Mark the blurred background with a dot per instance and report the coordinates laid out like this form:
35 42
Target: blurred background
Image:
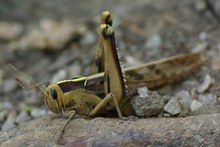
56 40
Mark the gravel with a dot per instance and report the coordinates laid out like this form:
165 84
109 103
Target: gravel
22 117
10 31
173 107
206 84
3 115
10 122
35 113
195 105
9 85
207 99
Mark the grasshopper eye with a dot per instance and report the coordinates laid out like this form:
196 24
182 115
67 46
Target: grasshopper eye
53 93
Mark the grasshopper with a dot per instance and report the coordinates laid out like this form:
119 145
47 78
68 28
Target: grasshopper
111 87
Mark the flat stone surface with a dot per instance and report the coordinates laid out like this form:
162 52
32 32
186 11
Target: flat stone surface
189 131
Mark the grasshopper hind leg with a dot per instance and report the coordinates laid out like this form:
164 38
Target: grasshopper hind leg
104 102
99 61
114 85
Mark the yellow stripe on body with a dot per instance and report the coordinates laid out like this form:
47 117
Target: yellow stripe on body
73 80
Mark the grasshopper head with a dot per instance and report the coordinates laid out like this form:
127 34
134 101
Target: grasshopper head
54 98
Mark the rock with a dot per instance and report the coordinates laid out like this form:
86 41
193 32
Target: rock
89 38
215 62
34 97
45 131
214 5
185 100
57 33
50 35
207 99
200 6
206 84
1 75
60 75
74 70
3 115
6 105
143 92
200 47
9 85
38 113
67 73
195 105
64 59
149 103
203 36
173 107
131 61
10 122
154 41
9 30
22 117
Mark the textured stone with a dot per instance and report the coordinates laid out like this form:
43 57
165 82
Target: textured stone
148 103
45 131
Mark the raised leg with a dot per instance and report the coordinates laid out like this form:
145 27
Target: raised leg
114 78
98 65
114 81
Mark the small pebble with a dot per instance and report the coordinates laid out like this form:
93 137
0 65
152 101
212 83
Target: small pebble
50 113
3 115
9 85
184 98
9 31
52 30
215 62
200 5
74 70
143 92
1 75
38 113
207 99
200 47
49 34
6 105
203 36
154 41
22 117
131 61
173 107
10 122
88 38
60 75
195 105
208 81
33 98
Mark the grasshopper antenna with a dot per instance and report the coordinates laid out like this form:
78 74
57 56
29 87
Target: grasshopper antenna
27 77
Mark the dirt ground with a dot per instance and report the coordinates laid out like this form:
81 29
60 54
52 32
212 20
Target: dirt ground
54 40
